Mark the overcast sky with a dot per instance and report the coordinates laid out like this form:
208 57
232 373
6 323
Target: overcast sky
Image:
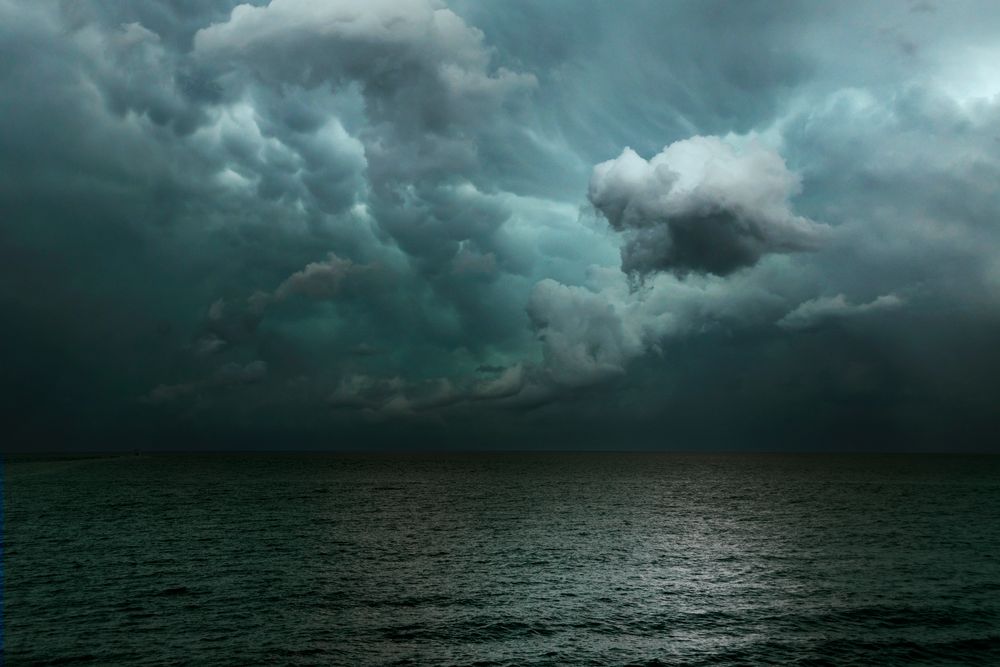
565 224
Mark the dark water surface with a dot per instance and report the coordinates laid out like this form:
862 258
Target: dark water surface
519 559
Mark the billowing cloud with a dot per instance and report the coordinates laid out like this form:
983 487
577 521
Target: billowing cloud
388 397
323 280
418 64
328 280
592 333
825 308
584 334
302 218
701 205
430 96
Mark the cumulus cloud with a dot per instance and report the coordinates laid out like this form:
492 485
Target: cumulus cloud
365 121
416 61
432 103
825 308
585 338
591 333
429 92
702 205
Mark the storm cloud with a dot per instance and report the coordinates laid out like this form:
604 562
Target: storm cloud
701 205
445 223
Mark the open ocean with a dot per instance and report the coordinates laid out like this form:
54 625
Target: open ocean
502 559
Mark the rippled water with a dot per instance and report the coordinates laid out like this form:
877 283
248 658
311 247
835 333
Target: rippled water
547 559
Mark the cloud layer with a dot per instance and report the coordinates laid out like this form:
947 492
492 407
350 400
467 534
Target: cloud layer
430 223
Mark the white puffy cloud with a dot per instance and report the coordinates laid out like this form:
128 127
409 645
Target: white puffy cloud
702 205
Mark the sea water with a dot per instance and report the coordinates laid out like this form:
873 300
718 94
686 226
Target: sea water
502 559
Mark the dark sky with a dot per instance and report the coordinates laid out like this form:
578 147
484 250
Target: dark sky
413 224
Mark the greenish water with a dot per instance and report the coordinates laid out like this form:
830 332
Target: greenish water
506 559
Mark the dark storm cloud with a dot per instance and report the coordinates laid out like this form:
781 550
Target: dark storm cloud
701 205
419 65
421 220
427 85
227 376
330 280
428 94
324 280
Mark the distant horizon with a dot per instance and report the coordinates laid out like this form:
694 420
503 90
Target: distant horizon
117 453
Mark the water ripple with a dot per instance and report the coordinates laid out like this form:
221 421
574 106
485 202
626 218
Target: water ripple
503 560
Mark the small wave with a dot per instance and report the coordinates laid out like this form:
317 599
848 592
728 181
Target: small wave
300 652
468 632
70 659
905 616
848 652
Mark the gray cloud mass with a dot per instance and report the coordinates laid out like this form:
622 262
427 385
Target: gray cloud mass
701 205
450 224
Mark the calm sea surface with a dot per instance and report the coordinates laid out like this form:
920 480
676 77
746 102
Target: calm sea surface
506 559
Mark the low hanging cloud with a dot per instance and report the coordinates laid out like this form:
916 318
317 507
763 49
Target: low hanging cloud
815 312
322 281
228 376
586 336
591 334
514 386
702 205
327 280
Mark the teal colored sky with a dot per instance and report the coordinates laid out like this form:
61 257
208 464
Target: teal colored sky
418 224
